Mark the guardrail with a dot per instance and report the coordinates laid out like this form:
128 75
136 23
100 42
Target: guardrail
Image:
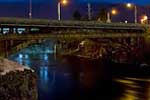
22 21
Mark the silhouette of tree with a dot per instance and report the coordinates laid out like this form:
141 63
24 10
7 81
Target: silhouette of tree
76 15
102 15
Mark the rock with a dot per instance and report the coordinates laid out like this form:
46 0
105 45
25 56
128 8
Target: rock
17 82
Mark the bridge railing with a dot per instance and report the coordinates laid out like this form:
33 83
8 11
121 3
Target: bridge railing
22 21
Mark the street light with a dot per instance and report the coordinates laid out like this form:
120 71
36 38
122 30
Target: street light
89 11
129 5
144 19
30 9
62 2
112 12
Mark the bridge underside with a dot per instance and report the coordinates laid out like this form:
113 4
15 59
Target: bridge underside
26 30
13 42
58 36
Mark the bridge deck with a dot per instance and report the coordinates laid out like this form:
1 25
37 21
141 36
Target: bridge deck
76 24
66 36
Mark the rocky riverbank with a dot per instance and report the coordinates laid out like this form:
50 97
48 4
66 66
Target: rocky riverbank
17 82
87 49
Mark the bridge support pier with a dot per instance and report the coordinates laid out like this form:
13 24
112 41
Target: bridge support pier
1 31
15 30
11 43
55 50
27 30
6 48
11 30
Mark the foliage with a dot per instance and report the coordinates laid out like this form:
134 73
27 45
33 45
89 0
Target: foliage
76 15
102 15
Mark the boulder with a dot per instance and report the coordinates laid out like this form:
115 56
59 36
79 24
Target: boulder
17 82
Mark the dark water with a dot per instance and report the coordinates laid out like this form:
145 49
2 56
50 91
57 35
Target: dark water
70 78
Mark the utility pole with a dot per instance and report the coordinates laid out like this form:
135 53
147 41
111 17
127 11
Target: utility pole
30 9
89 11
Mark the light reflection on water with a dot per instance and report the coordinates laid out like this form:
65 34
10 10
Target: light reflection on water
51 81
60 81
44 73
134 88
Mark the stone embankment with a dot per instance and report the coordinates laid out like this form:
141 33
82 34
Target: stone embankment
17 82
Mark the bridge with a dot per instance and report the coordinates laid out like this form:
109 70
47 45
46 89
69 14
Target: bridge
22 30
11 28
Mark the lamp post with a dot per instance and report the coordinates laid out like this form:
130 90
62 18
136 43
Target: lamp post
30 9
108 17
63 2
113 12
129 5
59 8
89 11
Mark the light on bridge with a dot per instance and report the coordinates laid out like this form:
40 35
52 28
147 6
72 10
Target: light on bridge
130 5
144 19
61 2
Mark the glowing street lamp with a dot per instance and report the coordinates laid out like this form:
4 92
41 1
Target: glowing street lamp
62 2
113 12
129 5
144 19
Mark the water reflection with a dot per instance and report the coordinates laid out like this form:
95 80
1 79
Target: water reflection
20 56
134 88
70 78
44 73
26 56
45 57
43 78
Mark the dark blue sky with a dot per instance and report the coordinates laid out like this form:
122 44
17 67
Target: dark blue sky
48 8
120 1
109 1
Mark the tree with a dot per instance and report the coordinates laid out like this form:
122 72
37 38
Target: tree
76 15
102 15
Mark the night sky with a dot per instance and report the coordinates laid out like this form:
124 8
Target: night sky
48 8
109 1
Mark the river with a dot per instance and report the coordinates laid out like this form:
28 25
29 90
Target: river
70 78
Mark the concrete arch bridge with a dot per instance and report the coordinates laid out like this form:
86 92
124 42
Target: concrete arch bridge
17 31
